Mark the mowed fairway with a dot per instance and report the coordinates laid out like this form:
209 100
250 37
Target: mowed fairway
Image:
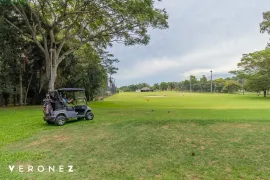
144 136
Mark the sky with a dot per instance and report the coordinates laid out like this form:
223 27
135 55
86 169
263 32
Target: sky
202 36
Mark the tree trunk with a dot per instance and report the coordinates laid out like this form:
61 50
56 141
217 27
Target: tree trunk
51 82
1 100
21 88
6 98
14 97
264 93
41 80
28 88
90 96
53 70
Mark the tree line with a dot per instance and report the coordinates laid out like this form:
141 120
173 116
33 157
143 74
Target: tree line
48 44
227 85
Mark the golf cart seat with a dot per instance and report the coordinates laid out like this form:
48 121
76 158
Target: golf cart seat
57 105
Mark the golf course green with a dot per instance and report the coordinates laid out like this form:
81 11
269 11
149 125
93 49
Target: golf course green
156 135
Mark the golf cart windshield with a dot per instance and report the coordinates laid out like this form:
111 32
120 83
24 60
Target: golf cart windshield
80 97
76 96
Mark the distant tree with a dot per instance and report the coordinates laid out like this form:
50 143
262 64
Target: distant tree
156 86
196 87
193 81
171 86
241 78
124 88
203 83
163 86
142 85
185 85
219 84
203 79
231 86
133 88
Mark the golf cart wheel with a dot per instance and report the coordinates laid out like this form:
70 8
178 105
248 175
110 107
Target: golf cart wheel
60 120
89 115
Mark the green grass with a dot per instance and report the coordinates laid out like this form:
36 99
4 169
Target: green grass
134 136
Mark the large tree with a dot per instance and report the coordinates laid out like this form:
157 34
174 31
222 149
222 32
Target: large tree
54 23
255 67
265 24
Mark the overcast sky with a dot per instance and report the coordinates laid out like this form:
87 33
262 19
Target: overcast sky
203 35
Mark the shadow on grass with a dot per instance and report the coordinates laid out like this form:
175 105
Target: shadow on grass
69 122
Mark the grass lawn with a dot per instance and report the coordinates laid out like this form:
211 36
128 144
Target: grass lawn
144 136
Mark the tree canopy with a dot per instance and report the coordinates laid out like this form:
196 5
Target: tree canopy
255 68
65 42
52 24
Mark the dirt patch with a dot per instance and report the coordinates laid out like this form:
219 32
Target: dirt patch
165 127
188 140
158 176
236 140
243 126
61 138
224 128
39 142
212 163
228 169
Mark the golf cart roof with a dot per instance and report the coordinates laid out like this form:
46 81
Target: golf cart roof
71 89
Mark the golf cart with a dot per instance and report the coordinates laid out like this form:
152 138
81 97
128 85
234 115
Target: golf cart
58 109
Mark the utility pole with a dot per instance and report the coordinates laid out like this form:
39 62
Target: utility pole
190 84
211 81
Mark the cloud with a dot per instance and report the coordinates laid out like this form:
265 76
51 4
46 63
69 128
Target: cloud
221 58
149 67
203 35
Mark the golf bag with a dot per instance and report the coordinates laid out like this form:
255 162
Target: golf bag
47 108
